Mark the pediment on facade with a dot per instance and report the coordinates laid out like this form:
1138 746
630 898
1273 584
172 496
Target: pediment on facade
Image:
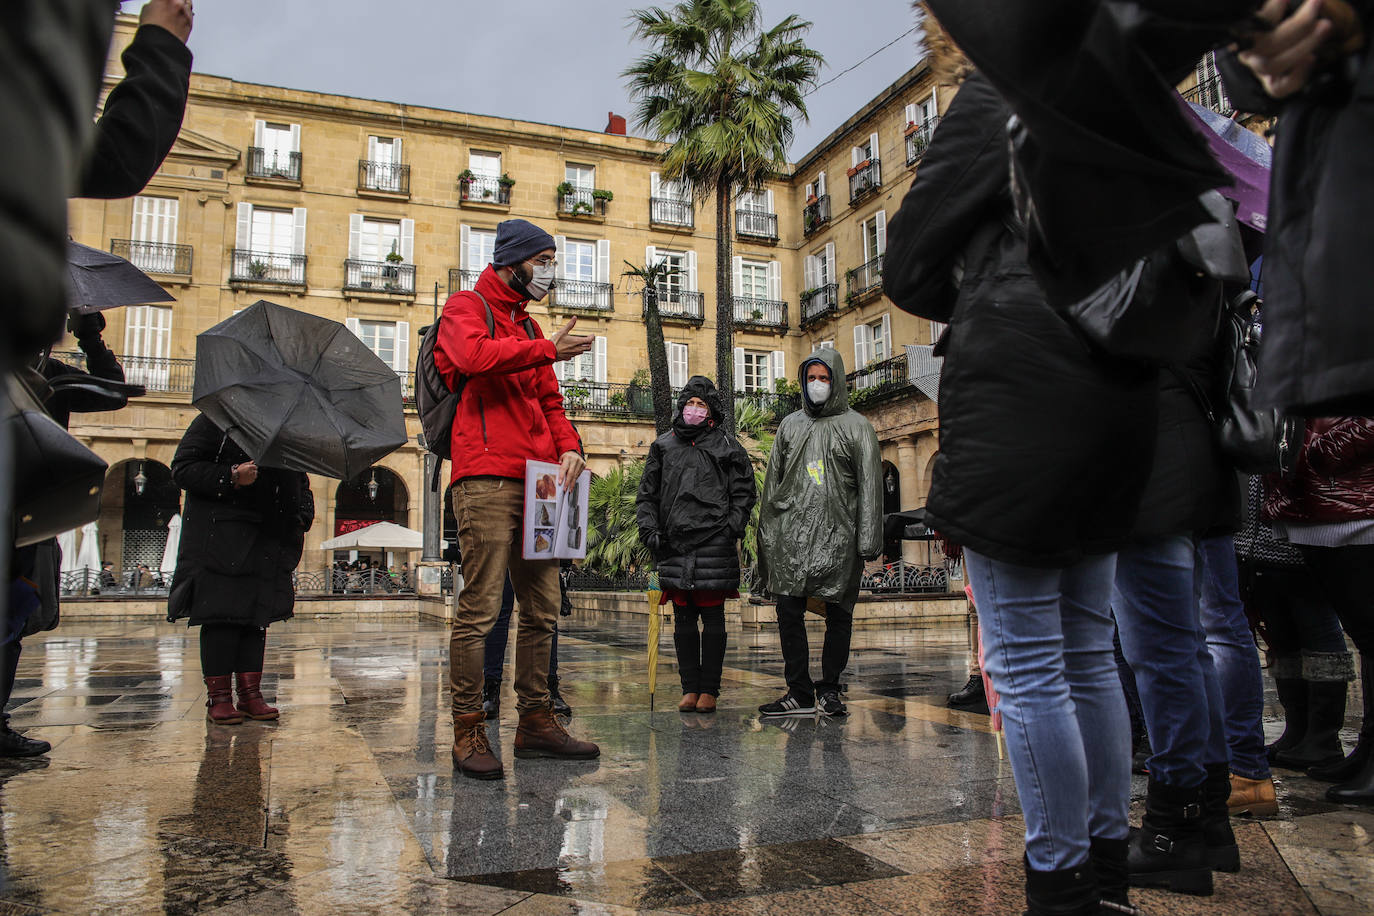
191 146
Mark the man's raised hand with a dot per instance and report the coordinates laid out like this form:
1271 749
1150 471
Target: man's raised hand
568 344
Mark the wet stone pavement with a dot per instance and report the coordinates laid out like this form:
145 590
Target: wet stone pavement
349 803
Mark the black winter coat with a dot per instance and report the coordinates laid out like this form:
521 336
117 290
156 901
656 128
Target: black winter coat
239 545
695 498
1045 445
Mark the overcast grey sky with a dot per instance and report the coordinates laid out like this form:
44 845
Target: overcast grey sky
546 61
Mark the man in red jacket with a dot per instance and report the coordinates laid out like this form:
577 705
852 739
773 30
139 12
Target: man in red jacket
511 411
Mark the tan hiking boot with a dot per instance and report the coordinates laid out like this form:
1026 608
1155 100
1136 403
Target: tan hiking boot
472 753
540 734
1252 796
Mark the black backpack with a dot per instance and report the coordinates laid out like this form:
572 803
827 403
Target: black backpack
436 403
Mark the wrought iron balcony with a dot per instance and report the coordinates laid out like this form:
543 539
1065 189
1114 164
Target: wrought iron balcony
483 189
247 266
582 294
865 179
918 139
1211 94
156 373
775 406
380 276
459 280
865 281
154 257
583 202
819 303
607 399
816 214
753 312
274 164
670 211
390 177
757 224
681 305
888 375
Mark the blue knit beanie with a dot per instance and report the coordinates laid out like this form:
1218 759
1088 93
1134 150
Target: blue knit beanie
518 240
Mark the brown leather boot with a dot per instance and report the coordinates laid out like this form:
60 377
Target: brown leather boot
221 701
540 734
471 750
1252 796
251 703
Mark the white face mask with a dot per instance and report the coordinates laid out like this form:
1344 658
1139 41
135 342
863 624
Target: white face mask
540 281
818 392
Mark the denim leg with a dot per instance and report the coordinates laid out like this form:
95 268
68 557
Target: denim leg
494 659
1234 657
1128 687
1047 646
1156 611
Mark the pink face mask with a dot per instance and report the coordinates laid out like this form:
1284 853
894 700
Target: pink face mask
694 416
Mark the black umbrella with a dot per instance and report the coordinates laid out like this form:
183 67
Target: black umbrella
101 280
1110 161
299 392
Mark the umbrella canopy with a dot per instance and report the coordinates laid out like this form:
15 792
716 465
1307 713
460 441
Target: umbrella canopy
101 280
169 553
1246 158
381 536
299 392
88 555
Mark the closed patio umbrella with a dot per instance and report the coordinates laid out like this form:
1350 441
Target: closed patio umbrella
169 552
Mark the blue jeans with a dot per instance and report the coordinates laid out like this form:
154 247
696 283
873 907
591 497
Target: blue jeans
1158 585
494 659
1234 657
1047 646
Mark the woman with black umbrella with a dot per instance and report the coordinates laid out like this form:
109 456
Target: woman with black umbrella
243 530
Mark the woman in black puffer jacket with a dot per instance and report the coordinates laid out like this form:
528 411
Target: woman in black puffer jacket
694 502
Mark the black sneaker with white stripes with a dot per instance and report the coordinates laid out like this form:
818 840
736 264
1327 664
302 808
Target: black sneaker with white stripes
788 705
830 704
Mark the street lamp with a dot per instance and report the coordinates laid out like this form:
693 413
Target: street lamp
372 486
140 480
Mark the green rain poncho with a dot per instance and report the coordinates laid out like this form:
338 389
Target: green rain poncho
821 513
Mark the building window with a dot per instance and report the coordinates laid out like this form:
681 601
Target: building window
753 279
581 177
384 170
872 343
588 367
479 249
484 164
273 231
674 278
873 233
154 235
147 345
276 151
677 364
378 238
390 340
757 372
579 260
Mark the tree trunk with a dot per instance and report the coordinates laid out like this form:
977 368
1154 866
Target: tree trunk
725 306
658 362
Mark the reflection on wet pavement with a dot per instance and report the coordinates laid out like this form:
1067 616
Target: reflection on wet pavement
349 804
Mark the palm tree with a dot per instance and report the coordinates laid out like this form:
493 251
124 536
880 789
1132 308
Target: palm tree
649 275
723 92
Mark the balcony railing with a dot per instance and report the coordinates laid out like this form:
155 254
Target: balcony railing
247 266
582 202
753 312
865 180
681 305
818 303
582 294
156 373
816 214
459 279
670 211
1210 93
918 140
483 189
889 375
775 406
273 164
391 177
154 257
865 281
380 276
757 224
607 399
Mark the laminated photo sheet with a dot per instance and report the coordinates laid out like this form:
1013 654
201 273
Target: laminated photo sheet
555 520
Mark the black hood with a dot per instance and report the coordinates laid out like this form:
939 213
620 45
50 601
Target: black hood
698 386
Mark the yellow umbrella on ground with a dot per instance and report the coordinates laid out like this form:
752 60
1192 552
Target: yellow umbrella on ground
655 621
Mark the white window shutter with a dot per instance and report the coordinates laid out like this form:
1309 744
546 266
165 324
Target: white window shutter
854 154
820 184
295 138
739 368
650 256
810 190
887 335
408 241
298 230
692 271
402 346
560 369
873 146
259 130
934 103
603 260
355 234
653 184
560 244
775 280
779 369
768 199
677 364
243 234
599 369
371 149
809 272
464 240
737 272
863 340
355 326
911 114
830 262
880 225
396 151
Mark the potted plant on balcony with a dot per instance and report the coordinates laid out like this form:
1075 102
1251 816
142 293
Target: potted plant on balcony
390 271
506 181
641 393
601 197
464 183
257 269
911 128
617 400
859 168
756 314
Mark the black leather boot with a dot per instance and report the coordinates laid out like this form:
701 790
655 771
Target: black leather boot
1168 850
1358 791
1292 693
1325 716
1108 858
560 705
970 697
1217 836
1347 769
491 698
1063 892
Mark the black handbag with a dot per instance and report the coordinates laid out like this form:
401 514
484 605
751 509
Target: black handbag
57 480
1258 441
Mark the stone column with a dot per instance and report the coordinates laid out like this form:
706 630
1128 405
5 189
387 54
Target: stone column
907 467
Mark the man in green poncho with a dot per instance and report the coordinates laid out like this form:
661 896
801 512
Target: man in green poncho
820 517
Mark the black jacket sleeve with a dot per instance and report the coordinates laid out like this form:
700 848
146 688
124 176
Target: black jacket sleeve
142 116
962 174
195 467
743 492
646 501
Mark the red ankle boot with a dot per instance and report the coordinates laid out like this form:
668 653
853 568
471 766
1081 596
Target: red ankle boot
251 703
221 701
